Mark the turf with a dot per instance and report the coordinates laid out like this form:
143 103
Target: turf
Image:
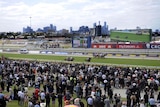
112 61
130 37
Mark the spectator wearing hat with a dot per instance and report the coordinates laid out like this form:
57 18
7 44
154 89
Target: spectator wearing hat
142 103
77 102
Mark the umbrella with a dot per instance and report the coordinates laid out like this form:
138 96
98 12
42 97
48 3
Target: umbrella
71 105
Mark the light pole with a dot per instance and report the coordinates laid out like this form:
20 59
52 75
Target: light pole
30 21
30 26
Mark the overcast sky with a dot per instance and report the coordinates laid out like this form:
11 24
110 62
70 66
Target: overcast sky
15 14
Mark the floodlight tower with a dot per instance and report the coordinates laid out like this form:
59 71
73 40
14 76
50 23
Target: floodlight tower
30 20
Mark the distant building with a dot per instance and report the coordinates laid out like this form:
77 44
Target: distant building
39 30
50 28
98 30
105 29
94 25
63 31
101 30
71 31
83 30
27 30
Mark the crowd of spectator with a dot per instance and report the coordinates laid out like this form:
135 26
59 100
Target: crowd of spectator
71 83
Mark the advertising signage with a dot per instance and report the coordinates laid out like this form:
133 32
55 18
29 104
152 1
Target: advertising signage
109 46
153 46
119 46
127 46
130 46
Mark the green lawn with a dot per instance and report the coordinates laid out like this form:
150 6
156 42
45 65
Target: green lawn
130 37
109 61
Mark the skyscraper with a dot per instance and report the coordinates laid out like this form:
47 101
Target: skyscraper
101 30
105 29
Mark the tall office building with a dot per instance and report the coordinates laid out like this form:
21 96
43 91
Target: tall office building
71 30
94 25
98 30
101 30
105 29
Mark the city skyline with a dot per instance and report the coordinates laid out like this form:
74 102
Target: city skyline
126 14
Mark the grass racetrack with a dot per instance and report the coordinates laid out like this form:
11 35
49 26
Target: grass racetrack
77 59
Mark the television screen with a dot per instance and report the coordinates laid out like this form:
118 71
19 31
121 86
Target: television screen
131 35
81 42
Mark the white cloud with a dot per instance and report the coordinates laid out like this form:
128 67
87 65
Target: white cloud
67 13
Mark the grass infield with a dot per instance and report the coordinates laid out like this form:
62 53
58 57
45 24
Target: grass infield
77 59
131 37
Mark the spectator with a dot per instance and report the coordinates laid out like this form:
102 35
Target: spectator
152 101
37 104
53 97
142 103
26 99
146 97
30 103
81 103
60 97
90 101
42 96
2 99
158 97
47 100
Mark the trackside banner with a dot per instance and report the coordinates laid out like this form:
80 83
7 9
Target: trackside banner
130 46
152 45
119 46
127 46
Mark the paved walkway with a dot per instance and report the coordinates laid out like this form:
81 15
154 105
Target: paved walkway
122 92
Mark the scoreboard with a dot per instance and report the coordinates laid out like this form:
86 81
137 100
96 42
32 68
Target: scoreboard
81 42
